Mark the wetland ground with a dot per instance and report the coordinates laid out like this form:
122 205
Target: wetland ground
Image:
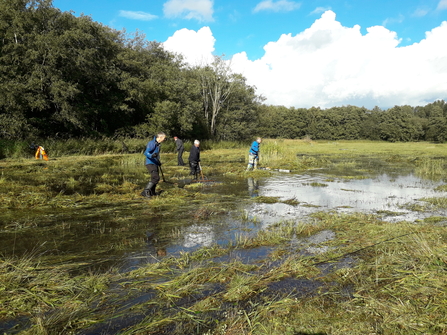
351 241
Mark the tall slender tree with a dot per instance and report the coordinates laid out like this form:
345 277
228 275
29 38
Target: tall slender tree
217 84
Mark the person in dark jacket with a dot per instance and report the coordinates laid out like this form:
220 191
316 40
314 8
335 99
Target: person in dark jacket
194 159
253 154
152 154
179 147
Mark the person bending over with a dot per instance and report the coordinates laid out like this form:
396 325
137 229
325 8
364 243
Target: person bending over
253 154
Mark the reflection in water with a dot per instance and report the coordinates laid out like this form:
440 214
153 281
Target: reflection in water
311 245
253 187
313 192
198 236
383 193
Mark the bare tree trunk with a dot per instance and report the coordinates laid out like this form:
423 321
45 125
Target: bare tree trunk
217 85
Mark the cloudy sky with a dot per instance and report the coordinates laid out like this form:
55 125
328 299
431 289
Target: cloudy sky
301 53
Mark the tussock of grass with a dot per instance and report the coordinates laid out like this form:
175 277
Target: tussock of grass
437 202
266 199
432 168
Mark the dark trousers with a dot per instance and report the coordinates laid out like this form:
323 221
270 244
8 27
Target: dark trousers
180 158
153 170
194 166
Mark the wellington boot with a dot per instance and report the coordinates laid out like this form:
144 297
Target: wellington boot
147 192
153 190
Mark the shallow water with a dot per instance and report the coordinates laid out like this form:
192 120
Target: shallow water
131 235
135 235
315 192
384 194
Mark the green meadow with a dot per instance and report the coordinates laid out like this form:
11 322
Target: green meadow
68 224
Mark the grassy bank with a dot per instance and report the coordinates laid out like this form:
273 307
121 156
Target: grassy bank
67 223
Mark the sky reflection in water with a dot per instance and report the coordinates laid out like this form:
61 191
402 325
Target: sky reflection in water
314 192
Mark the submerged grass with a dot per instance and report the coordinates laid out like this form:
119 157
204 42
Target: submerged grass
82 213
395 285
55 300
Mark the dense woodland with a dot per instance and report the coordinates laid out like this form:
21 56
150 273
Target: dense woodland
63 76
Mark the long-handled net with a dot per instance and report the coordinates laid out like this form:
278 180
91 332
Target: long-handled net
201 178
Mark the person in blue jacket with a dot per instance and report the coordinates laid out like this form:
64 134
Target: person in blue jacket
152 154
253 154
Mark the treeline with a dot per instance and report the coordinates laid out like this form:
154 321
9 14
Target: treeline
65 77
399 123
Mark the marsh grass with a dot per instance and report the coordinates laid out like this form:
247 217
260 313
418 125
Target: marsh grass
433 168
100 146
441 188
373 277
436 219
316 184
396 284
437 202
266 199
427 204
52 295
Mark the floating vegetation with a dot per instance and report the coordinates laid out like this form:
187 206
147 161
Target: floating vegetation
436 202
266 199
387 213
348 190
316 184
292 202
441 188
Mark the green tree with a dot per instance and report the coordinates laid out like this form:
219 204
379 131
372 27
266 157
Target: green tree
238 119
58 72
436 125
369 128
217 84
400 124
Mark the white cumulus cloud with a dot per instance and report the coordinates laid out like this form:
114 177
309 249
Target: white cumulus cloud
196 47
137 15
201 10
330 65
276 6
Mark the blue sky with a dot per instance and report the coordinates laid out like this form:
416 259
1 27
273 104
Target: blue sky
337 47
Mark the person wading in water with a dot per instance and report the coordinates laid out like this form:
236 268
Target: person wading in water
194 159
152 154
